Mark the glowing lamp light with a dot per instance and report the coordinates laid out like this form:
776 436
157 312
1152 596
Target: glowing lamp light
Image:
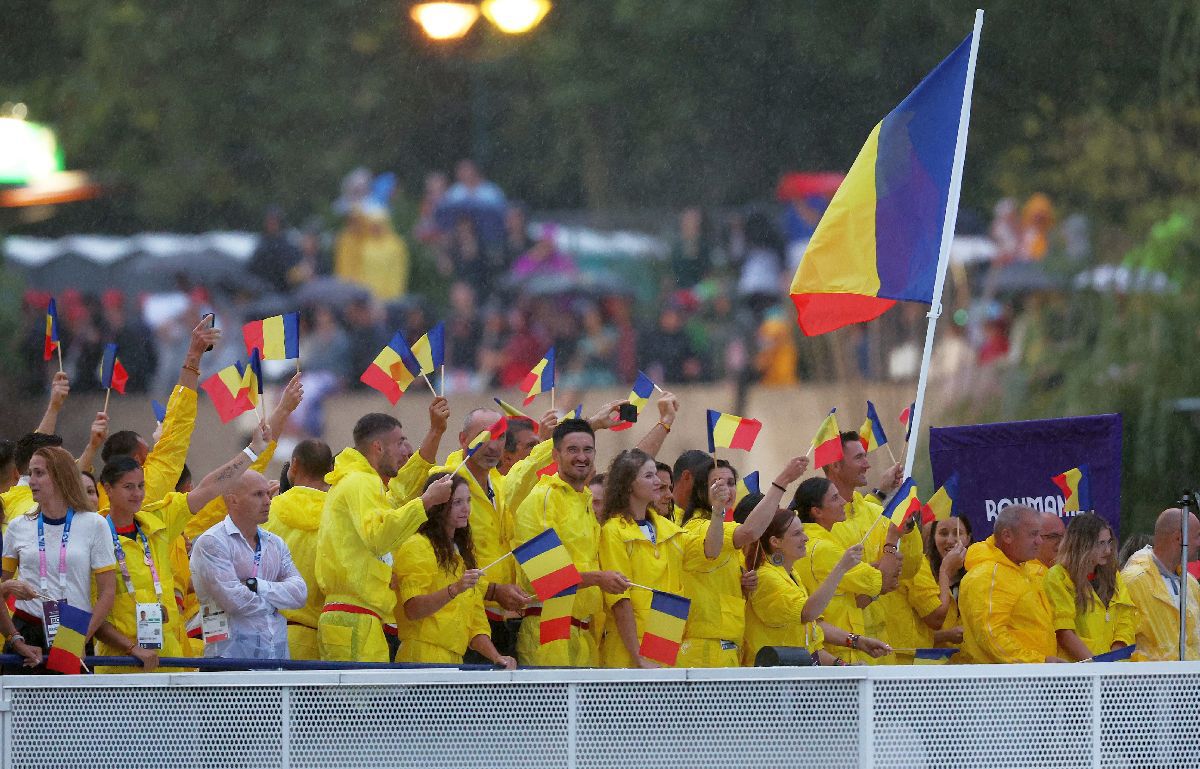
445 20
28 151
515 17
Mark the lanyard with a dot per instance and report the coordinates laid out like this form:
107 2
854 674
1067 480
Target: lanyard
119 552
62 553
257 551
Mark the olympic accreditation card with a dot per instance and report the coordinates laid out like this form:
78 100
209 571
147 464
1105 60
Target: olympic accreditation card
149 625
214 623
50 619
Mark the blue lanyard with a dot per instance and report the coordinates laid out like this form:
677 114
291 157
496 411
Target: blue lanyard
62 553
119 552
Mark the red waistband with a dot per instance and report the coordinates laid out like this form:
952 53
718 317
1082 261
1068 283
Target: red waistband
391 630
536 611
25 616
350 608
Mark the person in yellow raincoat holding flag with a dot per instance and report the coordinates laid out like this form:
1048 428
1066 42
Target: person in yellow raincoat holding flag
1153 575
1006 615
295 518
440 608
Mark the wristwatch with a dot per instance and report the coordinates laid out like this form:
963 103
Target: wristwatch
252 583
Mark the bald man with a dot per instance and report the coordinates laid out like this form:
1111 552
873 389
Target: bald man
1155 582
1053 532
243 576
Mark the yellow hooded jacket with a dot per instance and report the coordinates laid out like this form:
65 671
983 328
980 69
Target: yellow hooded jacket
822 553
296 517
774 611
1158 610
451 627
1005 613
1100 626
714 586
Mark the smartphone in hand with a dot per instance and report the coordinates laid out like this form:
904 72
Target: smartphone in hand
212 323
628 412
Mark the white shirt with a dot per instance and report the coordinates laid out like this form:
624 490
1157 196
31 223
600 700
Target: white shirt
89 550
221 560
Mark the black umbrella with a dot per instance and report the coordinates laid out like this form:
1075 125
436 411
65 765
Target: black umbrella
328 290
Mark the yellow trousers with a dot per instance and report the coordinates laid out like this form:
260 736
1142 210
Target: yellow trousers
348 637
302 643
419 651
707 653
578 651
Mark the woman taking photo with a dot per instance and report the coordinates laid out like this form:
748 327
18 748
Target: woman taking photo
781 612
61 549
144 620
946 544
641 544
1093 612
712 563
439 612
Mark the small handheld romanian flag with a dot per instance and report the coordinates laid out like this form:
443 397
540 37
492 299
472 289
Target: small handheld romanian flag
1076 486
933 656
493 433
747 484
227 394
664 627
904 504
639 396
827 443
540 379
275 338
941 505
430 349
871 433
726 431
252 379
547 564
51 343
906 420
66 654
556 616
112 373
512 411
393 369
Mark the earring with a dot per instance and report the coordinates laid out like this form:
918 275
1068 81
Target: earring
777 559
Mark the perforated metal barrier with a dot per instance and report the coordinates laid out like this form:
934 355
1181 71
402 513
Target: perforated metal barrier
1110 715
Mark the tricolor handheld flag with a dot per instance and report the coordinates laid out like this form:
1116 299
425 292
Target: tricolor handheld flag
556 616
747 484
941 505
663 633
512 411
871 433
933 656
639 396
160 411
430 349
880 238
906 421
727 431
393 369
493 433
252 379
827 443
275 338
1116 655
51 343
540 379
1076 487
904 504
228 395
66 653
112 373
547 564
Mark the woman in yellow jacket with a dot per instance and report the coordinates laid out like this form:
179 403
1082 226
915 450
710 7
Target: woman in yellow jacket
781 612
641 544
1093 612
142 538
439 612
712 563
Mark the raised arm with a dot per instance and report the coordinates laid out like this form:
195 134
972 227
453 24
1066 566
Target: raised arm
60 388
668 409
96 439
222 480
760 517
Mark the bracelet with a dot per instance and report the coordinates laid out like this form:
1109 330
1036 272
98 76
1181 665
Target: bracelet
851 641
781 488
664 425
893 550
192 369
17 638
250 453
129 651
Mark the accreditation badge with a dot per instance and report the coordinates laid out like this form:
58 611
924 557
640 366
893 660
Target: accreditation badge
149 625
214 624
51 611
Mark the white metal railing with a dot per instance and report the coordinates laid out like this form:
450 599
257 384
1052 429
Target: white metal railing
1103 715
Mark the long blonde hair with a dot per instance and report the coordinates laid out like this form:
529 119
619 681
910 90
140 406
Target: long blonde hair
1082 535
64 474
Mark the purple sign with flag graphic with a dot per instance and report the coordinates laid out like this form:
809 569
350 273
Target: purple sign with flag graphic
1010 463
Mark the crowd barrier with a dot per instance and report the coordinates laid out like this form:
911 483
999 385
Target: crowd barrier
1029 716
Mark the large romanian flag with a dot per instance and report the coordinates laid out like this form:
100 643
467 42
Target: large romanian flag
275 338
879 240
547 564
393 369
726 431
66 653
663 633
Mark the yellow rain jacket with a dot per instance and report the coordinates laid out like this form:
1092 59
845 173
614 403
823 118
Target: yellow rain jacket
554 504
161 522
295 517
17 502
922 596
165 461
658 565
774 611
356 537
1006 615
716 624
1100 626
822 553
1158 610
409 482
444 635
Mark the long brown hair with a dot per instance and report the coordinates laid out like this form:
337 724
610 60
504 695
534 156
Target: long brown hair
697 504
64 474
1082 535
618 487
434 529
757 552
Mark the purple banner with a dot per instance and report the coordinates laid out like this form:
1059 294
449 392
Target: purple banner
1012 462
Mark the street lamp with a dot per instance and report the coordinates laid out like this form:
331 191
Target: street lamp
453 19
515 17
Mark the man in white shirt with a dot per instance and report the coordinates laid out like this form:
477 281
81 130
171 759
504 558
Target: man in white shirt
243 576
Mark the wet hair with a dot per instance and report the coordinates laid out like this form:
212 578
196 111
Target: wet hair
28 445
1083 533
122 442
64 474
757 552
697 503
568 426
742 510
116 467
810 494
931 551
371 426
1133 544
517 427
434 529
312 458
690 460
618 486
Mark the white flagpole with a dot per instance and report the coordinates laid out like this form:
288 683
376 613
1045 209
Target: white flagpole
935 309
